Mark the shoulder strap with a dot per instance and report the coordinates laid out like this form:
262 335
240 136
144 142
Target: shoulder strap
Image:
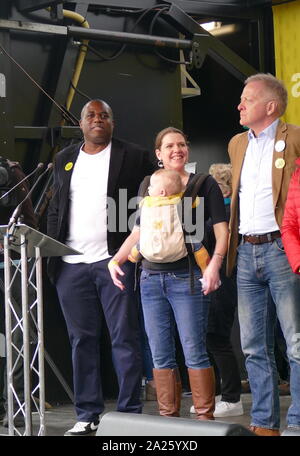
192 190
194 185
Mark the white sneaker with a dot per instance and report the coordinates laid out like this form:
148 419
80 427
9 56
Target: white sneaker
83 428
217 399
224 409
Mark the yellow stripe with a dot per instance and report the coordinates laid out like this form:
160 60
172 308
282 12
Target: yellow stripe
287 55
154 201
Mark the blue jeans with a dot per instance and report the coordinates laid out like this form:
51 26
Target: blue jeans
166 300
263 272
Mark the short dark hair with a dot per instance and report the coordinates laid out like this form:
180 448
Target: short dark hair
98 100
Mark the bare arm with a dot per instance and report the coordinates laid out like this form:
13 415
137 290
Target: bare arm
211 273
121 256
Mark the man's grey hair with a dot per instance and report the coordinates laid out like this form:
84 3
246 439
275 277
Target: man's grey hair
275 86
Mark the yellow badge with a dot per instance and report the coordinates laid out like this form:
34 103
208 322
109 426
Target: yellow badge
69 166
279 163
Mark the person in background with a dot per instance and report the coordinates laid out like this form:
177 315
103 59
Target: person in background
167 298
263 160
221 317
290 231
149 383
14 174
93 184
290 228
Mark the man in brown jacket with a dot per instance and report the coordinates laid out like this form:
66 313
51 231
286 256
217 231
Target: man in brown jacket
262 163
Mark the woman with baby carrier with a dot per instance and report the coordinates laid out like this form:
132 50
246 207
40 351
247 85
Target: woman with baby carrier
168 298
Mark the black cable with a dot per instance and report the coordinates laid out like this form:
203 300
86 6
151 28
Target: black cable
80 93
104 57
122 48
154 19
129 11
66 114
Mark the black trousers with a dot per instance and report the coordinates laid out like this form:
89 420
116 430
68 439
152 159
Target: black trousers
228 380
87 295
220 321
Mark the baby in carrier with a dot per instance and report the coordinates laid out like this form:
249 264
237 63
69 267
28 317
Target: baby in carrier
162 239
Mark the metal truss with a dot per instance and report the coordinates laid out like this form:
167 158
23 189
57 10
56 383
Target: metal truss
24 341
24 325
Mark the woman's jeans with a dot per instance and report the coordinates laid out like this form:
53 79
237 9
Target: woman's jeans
263 272
166 300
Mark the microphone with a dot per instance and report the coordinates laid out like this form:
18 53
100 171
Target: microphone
39 166
16 212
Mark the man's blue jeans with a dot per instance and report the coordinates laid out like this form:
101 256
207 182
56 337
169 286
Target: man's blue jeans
166 300
263 272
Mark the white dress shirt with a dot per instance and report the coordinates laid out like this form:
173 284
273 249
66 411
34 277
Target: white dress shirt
255 191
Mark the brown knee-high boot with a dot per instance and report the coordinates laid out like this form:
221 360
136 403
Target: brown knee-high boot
202 382
168 389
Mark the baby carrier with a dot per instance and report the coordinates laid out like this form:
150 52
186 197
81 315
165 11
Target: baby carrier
163 237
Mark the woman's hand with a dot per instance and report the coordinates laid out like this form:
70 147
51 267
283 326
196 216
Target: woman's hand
115 271
211 274
122 256
211 278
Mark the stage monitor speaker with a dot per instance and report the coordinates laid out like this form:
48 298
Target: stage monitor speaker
291 432
133 424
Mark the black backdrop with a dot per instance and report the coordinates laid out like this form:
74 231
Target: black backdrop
144 92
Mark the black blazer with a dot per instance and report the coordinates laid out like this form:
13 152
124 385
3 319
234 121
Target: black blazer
129 164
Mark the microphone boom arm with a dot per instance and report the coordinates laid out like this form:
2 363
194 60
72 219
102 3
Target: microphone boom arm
16 212
39 166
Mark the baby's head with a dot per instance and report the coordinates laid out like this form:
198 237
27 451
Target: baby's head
165 182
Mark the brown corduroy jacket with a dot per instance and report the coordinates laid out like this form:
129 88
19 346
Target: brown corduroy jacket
290 134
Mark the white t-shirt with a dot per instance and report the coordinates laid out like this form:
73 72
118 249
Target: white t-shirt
87 212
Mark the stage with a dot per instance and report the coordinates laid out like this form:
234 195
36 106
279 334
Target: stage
61 417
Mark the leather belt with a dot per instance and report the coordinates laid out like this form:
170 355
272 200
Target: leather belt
262 238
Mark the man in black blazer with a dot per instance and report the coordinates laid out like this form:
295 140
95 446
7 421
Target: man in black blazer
93 184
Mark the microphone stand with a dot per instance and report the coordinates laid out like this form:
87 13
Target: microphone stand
14 217
39 166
